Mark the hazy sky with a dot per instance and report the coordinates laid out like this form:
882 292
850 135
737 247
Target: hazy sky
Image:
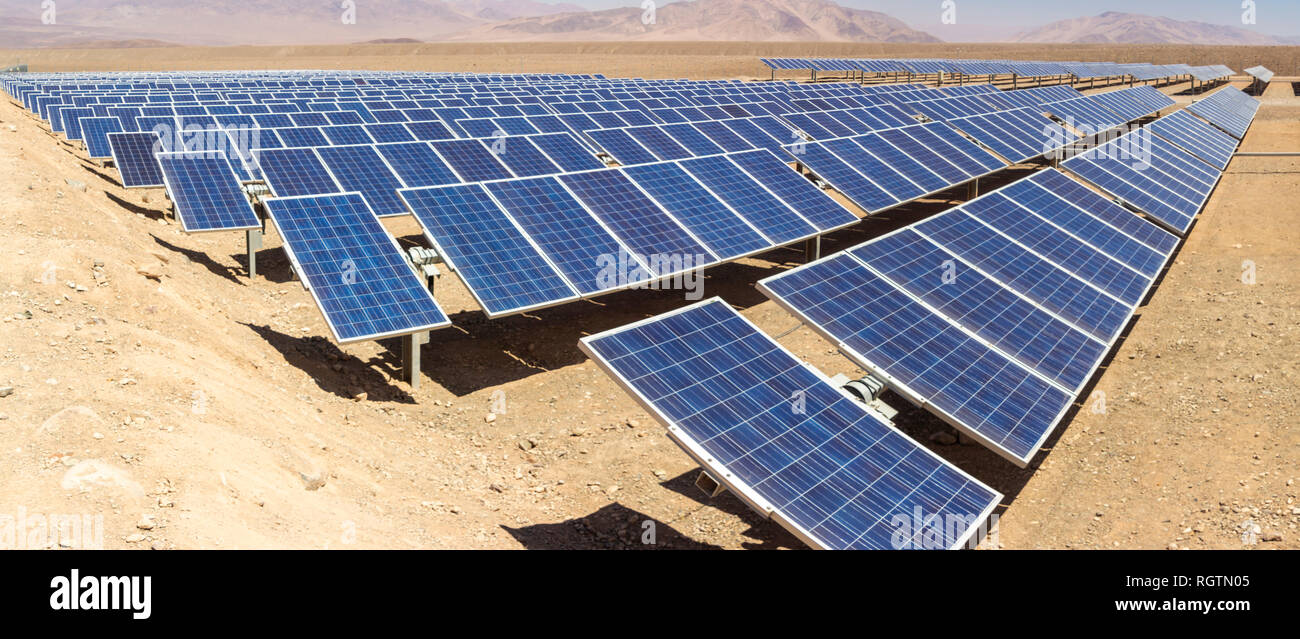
984 19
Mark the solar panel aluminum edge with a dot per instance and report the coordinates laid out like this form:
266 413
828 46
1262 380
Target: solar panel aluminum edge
742 490
431 317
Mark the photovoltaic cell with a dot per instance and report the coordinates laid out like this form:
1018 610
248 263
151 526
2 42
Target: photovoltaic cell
471 160
417 164
794 189
700 211
568 234
295 172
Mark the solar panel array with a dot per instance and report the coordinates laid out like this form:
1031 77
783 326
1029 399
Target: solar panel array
1261 73
1229 109
1029 69
524 244
1147 172
993 315
825 468
881 170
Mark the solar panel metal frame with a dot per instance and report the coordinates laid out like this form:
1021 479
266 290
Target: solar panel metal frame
719 472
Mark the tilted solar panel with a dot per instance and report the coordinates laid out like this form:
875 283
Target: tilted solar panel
500 266
295 172
693 206
133 155
205 193
354 269
361 169
784 440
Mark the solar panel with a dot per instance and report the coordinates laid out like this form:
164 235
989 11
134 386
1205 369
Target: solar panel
133 155
784 440
693 206
205 193
690 137
855 186
796 191
471 160
302 136
1192 134
295 172
621 146
659 143
748 197
652 234
1131 181
723 137
354 269
361 169
566 152
523 159
582 248
95 133
416 164
500 266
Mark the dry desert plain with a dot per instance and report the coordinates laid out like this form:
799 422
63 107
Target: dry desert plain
156 385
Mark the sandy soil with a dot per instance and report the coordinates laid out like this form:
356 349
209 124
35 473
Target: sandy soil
155 385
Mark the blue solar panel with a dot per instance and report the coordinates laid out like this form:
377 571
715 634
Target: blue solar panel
1121 178
471 160
566 152
828 470
417 164
847 180
901 161
576 243
796 191
429 131
360 169
302 136
639 222
691 138
944 140
72 121
1016 327
347 134
1086 228
499 265
95 133
622 147
205 193
882 175
923 355
659 143
293 172
757 136
392 132
354 269
1105 210
1046 284
750 199
921 153
711 221
522 158
133 155
723 137
1104 272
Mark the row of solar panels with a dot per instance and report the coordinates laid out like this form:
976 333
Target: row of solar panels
1138 71
993 316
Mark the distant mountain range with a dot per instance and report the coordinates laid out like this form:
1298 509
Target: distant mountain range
1114 27
225 22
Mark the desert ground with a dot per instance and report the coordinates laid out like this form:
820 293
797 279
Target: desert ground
157 385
